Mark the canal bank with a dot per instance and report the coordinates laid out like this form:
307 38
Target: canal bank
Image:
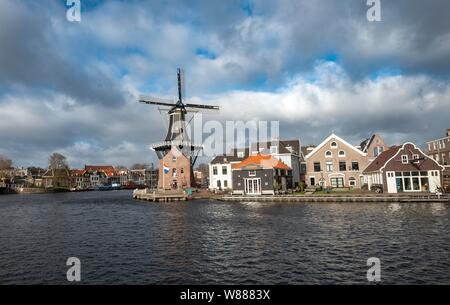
425 198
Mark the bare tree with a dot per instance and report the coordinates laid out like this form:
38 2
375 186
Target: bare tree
139 166
5 163
204 169
57 161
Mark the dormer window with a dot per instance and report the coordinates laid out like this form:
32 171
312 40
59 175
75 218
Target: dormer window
415 157
405 159
328 154
333 145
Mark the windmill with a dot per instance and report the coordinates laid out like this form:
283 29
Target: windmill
177 135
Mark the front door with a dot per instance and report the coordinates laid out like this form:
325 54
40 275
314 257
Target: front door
312 181
253 186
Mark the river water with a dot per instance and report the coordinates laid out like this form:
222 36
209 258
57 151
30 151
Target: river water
123 241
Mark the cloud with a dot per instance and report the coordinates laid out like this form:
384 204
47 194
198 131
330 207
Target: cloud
315 67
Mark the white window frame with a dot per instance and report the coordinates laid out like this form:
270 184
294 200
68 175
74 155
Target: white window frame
273 149
328 156
333 146
405 159
341 155
252 173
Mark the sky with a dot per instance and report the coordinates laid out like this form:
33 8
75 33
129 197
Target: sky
315 66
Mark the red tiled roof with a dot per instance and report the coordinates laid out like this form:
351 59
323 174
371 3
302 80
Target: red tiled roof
264 161
381 160
77 172
109 170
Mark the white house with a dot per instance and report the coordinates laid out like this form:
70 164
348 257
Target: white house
220 176
404 168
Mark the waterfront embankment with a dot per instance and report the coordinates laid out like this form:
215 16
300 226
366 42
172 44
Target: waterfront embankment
340 198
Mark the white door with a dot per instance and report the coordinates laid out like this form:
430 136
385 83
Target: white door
253 186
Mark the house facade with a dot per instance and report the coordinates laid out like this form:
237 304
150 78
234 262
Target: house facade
56 178
174 171
335 163
404 169
439 150
220 169
287 151
261 175
373 147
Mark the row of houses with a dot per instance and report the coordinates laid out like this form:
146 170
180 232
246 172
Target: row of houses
278 166
91 177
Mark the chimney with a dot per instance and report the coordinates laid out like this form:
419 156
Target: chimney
448 132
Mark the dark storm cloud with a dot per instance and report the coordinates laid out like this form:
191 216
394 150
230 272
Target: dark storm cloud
31 56
72 87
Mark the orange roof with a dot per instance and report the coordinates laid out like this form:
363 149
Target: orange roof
109 170
260 161
77 172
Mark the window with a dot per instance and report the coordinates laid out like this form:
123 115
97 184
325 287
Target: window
337 182
341 153
329 166
240 154
274 149
174 159
317 167
352 181
404 159
224 170
355 166
377 150
174 172
215 170
333 144
225 183
182 170
415 157
342 166
328 154
252 173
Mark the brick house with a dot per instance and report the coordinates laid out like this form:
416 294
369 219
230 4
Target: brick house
373 146
335 163
174 171
439 150
404 168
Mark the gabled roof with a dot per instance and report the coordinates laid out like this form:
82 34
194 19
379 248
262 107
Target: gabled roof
261 161
283 146
382 159
55 173
366 143
109 170
224 159
333 136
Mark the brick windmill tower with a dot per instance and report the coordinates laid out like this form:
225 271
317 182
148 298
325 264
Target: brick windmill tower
177 154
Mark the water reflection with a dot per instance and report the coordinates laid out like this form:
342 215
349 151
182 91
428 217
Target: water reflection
124 241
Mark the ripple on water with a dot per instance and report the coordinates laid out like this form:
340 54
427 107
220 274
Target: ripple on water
123 241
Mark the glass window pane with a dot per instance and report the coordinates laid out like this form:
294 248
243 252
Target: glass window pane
407 182
399 182
416 185
425 186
